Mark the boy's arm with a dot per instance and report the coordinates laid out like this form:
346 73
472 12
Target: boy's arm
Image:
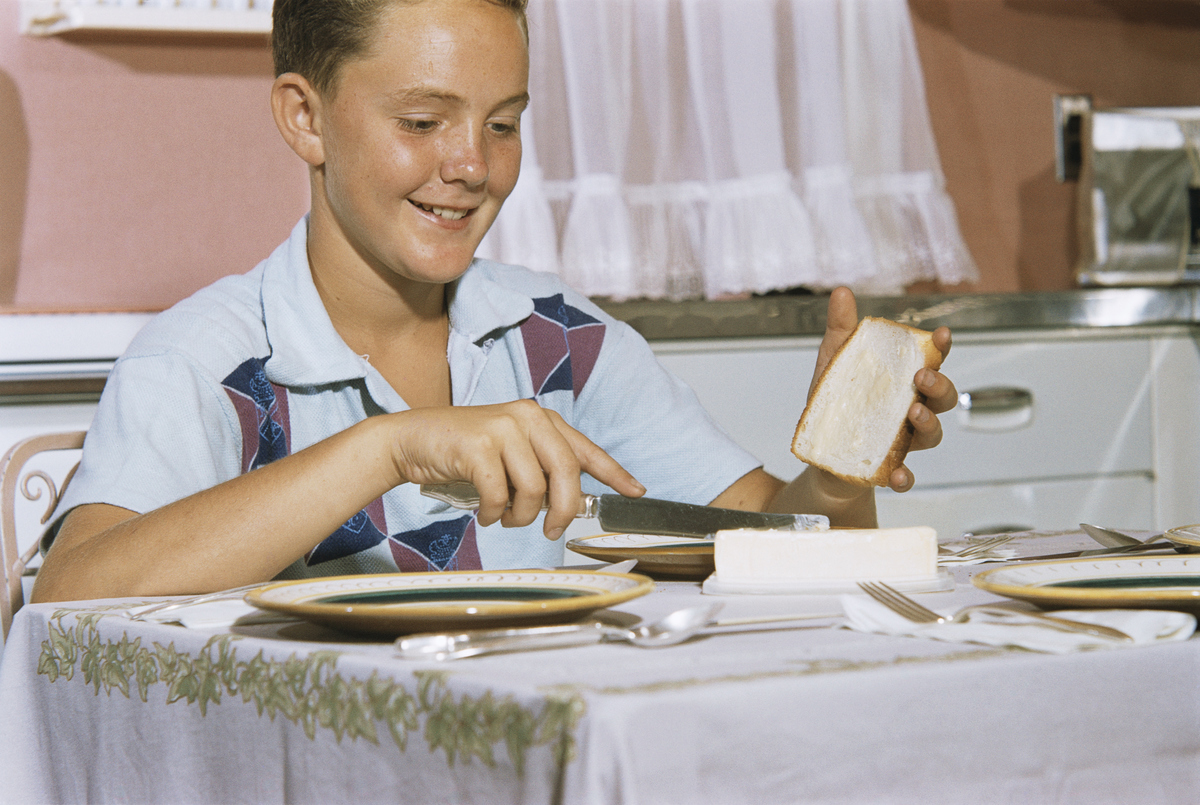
816 491
250 528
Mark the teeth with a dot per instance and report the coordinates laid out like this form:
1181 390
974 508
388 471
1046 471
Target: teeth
444 212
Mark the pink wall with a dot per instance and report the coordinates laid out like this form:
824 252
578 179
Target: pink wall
137 168
140 168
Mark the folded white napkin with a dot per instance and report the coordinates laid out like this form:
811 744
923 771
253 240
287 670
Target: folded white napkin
216 614
1145 626
999 554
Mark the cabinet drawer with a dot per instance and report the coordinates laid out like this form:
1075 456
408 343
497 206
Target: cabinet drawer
754 390
1072 408
1118 501
1080 407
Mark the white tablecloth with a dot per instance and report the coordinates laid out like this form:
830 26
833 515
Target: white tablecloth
99 708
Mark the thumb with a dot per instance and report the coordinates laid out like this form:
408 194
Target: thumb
840 322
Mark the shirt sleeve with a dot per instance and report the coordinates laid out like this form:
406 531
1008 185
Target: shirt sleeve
653 424
163 430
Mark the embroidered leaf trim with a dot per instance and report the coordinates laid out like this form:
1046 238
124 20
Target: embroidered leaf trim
308 691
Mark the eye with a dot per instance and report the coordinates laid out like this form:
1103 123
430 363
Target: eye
504 128
417 125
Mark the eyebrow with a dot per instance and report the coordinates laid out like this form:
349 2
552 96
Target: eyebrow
418 94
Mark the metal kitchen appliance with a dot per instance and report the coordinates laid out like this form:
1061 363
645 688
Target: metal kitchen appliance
1138 173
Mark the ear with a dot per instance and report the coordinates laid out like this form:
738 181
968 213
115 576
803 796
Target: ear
296 106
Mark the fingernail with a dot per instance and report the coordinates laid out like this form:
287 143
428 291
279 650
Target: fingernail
639 485
554 533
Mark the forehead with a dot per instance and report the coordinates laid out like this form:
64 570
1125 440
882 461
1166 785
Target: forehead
431 29
459 47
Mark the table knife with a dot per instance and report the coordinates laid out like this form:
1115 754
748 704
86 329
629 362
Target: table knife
1153 546
623 515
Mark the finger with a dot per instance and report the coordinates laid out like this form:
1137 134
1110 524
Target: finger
527 486
491 482
927 429
597 463
939 393
901 479
544 466
942 339
840 322
565 486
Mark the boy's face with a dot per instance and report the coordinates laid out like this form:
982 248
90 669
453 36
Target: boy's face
421 139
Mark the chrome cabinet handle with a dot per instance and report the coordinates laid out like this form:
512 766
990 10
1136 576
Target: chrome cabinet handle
996 399
995 409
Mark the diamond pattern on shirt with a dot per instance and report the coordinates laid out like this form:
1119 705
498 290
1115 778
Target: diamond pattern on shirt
443 545
361 532
263 413
561 344
262 409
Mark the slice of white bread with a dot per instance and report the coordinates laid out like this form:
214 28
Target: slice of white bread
855 424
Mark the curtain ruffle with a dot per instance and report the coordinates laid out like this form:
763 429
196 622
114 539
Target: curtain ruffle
699 159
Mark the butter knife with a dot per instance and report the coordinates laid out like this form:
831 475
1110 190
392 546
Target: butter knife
623 515
1143 548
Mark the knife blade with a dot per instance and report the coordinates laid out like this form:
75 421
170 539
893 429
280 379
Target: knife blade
624 515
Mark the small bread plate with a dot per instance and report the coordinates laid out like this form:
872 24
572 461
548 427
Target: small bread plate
1142 582
937 583
682 558
392 604
1185 538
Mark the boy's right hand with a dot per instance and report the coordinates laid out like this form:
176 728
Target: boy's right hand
514 453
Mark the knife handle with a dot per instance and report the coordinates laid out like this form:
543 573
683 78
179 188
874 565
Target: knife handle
464 495
472 643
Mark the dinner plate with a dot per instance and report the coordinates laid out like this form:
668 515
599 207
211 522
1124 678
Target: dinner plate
391 604
1166 582
674 557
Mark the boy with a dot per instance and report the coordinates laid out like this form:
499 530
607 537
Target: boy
277 423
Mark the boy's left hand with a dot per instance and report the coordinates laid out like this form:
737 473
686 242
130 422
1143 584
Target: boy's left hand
940 394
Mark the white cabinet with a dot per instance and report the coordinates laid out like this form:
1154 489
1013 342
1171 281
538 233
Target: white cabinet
1085 425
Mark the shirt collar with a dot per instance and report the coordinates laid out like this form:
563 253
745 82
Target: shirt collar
306 350
480 306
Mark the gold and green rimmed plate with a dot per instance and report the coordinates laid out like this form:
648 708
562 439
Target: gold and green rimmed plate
1185 538
682 558
1134 582
392 604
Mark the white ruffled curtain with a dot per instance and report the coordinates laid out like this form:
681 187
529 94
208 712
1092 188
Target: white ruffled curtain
704 148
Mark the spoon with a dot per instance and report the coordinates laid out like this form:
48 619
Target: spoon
675 628
1108 537
1115 539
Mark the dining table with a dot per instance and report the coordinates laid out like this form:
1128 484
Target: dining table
102 707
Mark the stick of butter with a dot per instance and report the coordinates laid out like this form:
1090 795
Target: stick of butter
858 554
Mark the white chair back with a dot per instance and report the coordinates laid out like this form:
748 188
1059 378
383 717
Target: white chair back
32 484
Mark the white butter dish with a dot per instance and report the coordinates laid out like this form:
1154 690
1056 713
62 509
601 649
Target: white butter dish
941 581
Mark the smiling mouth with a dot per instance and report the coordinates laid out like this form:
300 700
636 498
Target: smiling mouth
448 213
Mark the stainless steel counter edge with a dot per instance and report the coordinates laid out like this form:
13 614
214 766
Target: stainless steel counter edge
805 315
63 379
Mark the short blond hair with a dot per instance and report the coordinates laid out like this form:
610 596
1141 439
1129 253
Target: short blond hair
315 37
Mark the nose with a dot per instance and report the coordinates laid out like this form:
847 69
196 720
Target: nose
466 160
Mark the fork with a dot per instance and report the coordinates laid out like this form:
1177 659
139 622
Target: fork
907 608
983 546
204 598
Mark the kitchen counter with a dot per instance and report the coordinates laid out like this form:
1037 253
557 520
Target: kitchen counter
68 355
770 316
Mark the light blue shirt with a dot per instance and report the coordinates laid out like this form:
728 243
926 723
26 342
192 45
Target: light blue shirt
251 369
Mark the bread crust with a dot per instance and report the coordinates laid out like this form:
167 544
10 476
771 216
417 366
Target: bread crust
902 441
